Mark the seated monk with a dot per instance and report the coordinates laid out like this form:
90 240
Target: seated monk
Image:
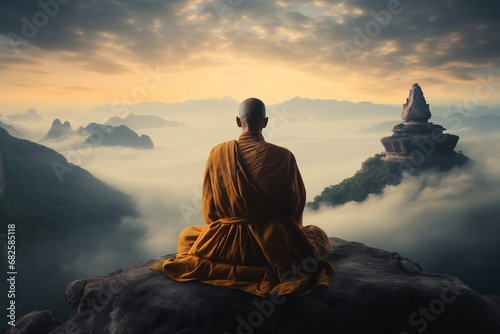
252 201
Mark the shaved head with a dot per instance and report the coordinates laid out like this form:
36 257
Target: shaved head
252 115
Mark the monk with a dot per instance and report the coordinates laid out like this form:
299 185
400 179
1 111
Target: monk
252 201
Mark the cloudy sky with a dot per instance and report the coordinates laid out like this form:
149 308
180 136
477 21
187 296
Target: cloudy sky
75 54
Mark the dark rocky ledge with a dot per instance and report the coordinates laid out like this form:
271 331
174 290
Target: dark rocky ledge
373 291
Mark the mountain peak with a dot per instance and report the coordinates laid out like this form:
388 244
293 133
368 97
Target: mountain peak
228 98
31 112
30 115
59 130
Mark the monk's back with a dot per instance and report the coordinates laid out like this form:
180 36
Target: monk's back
268 165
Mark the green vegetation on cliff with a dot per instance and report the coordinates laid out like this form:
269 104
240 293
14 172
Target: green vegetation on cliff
373 176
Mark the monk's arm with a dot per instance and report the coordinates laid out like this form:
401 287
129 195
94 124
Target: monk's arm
296 195
207 196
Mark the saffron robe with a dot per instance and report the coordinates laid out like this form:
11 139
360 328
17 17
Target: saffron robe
252 201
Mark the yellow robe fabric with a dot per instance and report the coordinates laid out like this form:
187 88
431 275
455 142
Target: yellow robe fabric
252 201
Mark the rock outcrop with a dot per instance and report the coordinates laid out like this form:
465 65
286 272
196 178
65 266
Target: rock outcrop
59 130
373 291
419 141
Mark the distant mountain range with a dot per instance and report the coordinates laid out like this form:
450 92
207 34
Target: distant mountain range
303 108
31 115
474 112
211 108
138 122
146 115
470 125
315 109
297 108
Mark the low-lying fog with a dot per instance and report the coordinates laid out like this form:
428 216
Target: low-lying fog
438 220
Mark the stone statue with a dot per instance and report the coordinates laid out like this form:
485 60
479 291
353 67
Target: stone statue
416 109
418 141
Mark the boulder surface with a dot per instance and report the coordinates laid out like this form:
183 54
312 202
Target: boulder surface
373 291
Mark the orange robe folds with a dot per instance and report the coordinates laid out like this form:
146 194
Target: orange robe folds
252 201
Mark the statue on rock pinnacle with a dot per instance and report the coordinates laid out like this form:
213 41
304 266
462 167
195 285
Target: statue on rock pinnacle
419 142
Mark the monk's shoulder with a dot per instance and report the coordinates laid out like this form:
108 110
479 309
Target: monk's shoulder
220 148
280 151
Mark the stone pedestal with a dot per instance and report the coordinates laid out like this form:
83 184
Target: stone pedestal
419 141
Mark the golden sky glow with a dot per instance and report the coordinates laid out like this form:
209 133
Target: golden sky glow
275 50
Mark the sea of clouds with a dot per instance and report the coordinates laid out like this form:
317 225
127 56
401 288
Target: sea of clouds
448 222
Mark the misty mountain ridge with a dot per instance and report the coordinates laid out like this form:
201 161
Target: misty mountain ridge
12 131
44 192
477 125
301 108
99 134
31 115
108 135
137 122
64 218
142 115
335 109
190 108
